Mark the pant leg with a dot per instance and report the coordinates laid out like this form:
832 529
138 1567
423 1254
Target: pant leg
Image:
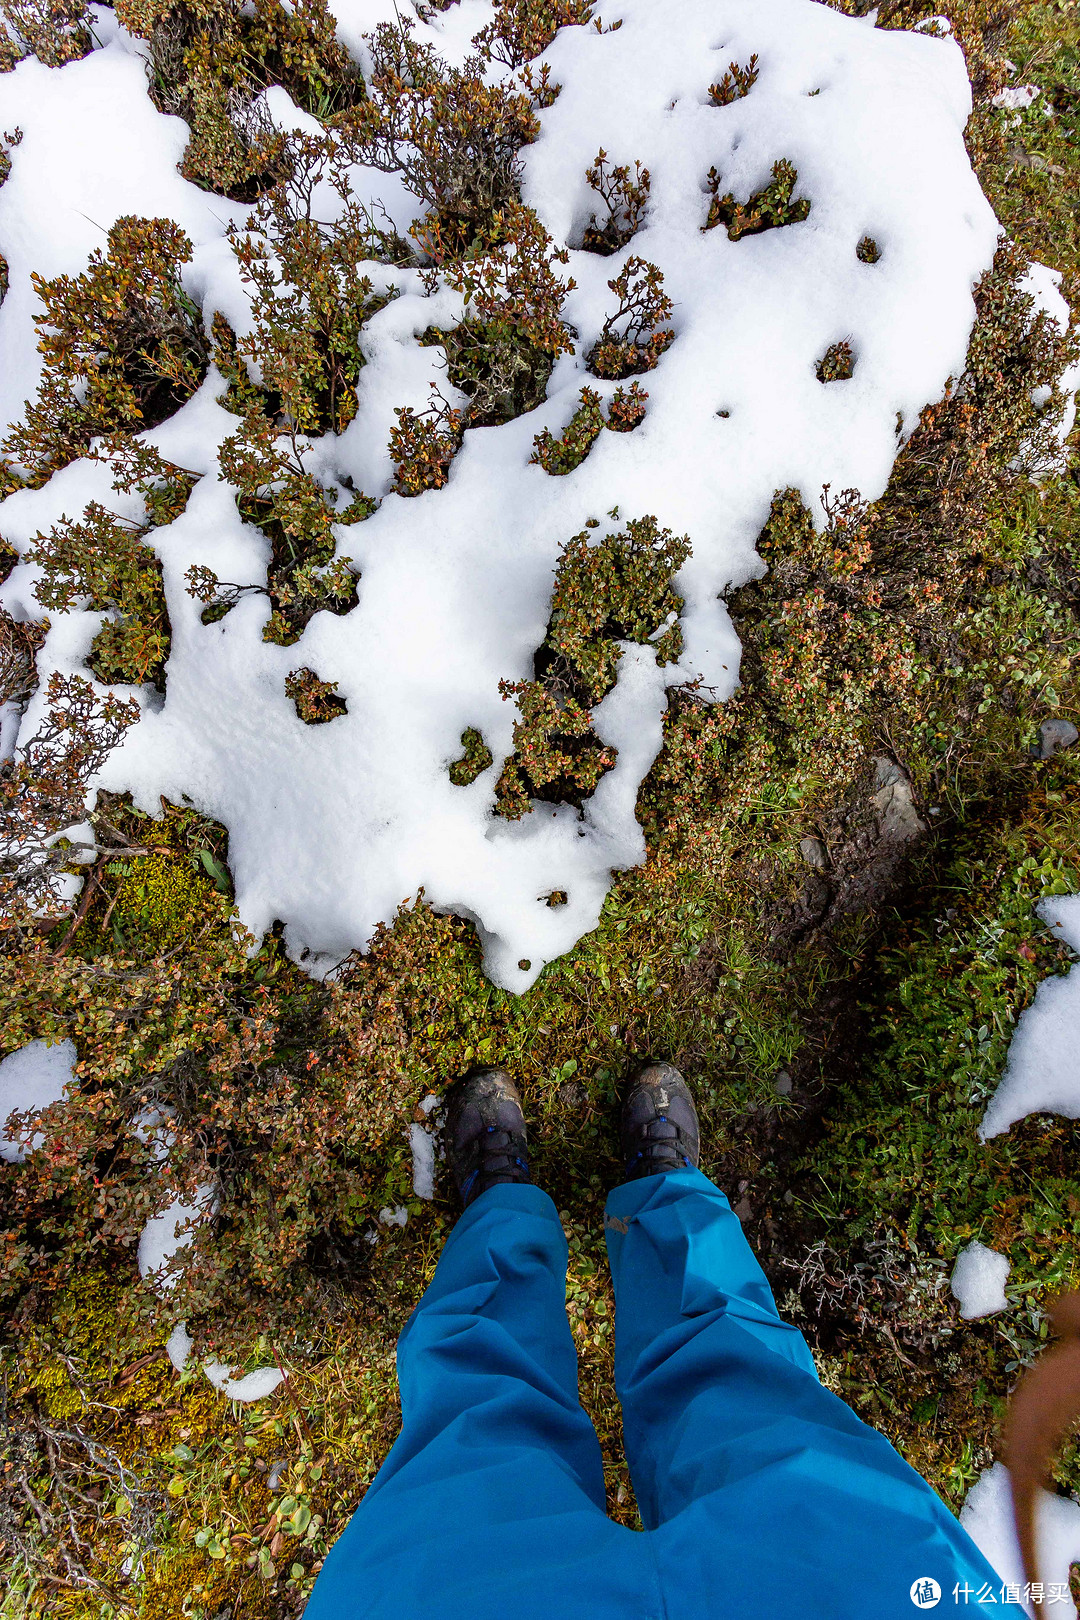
490 1505
763 1491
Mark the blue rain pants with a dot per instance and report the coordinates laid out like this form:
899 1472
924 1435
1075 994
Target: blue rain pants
761 1493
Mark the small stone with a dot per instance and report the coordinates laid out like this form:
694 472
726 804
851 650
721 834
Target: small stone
1055 735
782 1084
813 853
742 1209
743 1186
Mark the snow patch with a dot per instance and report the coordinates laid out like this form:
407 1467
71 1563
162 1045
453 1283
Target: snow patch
978 1280
33 1077
1042 1074
987 1516
167 1233
333 827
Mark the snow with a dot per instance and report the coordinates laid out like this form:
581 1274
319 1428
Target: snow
987 1516
332 827
253 1386
32 1077
394 1217
1016 97
1042 1074
978 1280
169 1231
422 1143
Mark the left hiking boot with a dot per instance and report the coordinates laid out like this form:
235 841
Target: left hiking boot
659 1126
485 1133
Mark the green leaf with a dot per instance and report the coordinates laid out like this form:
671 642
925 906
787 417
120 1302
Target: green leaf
214 867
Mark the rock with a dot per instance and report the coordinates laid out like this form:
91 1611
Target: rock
813 853
782 1084
898 818
742 1209
1053 736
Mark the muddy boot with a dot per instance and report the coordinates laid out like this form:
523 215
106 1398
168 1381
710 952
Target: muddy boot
485 1133
659 1126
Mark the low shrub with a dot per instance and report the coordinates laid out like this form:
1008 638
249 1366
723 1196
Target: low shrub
55 31
209 60
123 346
310 299
520 29
315 701
625 200
452 138
607 591
104 564
560 456
736 83
634 337
423 444
476 758
770 208
278 495
837 364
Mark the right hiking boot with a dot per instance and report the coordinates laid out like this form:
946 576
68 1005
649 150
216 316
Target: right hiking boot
485 1133
659 1126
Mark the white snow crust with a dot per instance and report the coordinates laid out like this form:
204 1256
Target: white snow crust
978 1280
987 1516
333 827
1043 1071
32 1077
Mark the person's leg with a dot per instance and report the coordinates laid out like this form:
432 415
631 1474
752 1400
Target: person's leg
763 1492
490 1505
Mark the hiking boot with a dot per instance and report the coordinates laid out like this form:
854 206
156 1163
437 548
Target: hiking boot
485 1133
659 1126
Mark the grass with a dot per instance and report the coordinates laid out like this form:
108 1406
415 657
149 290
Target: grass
891 1017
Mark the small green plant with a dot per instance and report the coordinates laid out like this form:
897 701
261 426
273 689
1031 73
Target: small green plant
634 337
867 250
310 300
625 200
123 346
837 364
736 83
770 208
475 759
316 702
561 456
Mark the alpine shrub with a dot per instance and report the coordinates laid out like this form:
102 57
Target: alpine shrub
736 83
277 494
774 205
617 589
209 60
103 563
475 759
521 29
625 200
452 138
561 456
837 364
55 31
123 346
634 337
315 701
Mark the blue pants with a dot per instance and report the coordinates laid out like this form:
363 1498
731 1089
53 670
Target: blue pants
761 1493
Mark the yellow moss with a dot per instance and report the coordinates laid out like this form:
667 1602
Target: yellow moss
159 898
